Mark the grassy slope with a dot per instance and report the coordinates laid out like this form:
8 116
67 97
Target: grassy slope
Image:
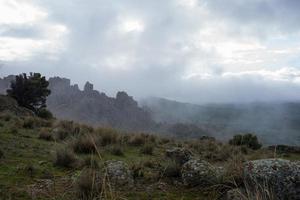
27 168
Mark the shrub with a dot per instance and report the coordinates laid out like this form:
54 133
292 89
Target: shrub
249 140
172 170
65 158
107 137
137 140
84 145
60 134
117 150
44 113
89 185
46 135
1 154
91 162
147 149
29 123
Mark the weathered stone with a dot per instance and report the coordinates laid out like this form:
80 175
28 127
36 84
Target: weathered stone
179 155
198 172
282 176
119 174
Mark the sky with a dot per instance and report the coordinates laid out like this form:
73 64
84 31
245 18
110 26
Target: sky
195 51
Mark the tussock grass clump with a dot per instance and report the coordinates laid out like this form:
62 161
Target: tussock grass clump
90 162
65 158
137 140
1 154
89 185
147 149
107 136
171 170
84 144
46 135
117 150
249 140
29 123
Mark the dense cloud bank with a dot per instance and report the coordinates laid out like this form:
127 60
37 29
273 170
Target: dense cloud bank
191 50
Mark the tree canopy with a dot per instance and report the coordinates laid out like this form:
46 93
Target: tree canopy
30 91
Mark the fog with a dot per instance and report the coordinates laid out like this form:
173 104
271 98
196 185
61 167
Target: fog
187 50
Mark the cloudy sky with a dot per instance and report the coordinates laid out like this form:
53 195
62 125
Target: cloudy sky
189 50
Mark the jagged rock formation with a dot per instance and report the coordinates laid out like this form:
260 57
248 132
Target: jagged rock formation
90 106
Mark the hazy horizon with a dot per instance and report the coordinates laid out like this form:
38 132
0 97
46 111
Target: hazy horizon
196 51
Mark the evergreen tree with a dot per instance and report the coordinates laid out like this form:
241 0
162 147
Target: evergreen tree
30 91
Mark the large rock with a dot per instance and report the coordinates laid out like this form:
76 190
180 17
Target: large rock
198 172
282 176
179 155
119 174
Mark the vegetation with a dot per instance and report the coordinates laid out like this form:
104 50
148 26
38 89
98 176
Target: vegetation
249 140
30 92
51 159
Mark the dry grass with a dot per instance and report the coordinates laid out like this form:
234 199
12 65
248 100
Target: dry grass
45 134
84 144
65 158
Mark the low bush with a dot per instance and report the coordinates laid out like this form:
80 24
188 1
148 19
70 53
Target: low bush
29 123
89 185
107 136
90 162
117 150
171 170
46 135
85 144
249 140
65 158
44 113
137 140
147 149
1 154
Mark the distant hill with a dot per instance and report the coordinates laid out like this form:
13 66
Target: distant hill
92 107
273 122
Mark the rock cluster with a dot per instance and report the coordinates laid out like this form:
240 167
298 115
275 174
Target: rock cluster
281 176
119 174
198 172
179 155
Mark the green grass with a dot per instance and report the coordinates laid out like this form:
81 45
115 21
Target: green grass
27 166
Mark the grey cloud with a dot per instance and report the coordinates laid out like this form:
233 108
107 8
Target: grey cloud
157 62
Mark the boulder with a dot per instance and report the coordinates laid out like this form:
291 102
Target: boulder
281 176
198 172
179 155
119 174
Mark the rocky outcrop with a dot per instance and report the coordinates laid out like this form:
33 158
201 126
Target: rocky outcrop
281 176
119 174
179 155
198 173
90 106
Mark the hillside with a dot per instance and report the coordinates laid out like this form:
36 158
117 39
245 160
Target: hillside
49 159
274 123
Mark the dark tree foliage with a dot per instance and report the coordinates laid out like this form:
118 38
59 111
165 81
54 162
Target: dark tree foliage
30 91
249 140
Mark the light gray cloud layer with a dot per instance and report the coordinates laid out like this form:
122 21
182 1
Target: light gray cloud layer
191 50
